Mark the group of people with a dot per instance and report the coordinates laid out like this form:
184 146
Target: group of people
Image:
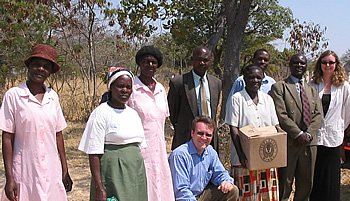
313 114
124 135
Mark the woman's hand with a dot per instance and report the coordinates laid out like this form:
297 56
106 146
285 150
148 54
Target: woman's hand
100 194
11 190
7 153
67 182
278 128
242 158
234 132
95 167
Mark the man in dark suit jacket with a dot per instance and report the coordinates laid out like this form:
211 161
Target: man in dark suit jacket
301 132
184 99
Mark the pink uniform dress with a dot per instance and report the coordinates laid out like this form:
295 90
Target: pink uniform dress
36 164
153 109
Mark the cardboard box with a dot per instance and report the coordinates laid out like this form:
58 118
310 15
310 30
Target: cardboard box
264 147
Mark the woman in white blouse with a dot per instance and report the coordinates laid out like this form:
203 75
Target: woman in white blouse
330 80
112 138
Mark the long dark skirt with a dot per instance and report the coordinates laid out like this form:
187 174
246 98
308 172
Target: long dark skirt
326 184
123 173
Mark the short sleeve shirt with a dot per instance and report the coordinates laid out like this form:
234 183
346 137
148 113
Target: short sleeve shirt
242 111
107 125
34 124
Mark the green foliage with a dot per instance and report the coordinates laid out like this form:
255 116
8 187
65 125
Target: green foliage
195 21
22 24
136 16
175 56
267 22
268 19
93 34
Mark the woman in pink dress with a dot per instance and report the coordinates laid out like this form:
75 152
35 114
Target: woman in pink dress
32 121
150 102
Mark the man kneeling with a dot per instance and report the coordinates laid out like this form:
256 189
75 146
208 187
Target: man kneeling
196 169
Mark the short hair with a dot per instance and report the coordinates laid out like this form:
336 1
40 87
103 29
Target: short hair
199 48
250 67
149 50
295 56
260 50
204 119
339 75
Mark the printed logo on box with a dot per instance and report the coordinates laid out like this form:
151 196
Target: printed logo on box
268 150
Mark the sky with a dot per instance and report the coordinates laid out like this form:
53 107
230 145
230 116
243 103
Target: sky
332 14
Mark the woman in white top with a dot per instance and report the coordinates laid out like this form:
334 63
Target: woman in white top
112 138
330 81
251 107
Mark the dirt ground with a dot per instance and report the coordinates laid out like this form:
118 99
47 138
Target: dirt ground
80 173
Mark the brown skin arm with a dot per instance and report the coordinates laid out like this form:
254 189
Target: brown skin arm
235 139
347 131
95 167
67 181
7 154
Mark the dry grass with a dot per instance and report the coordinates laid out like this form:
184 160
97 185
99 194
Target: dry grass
76 99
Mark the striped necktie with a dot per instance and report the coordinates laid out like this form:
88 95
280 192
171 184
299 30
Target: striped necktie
306 105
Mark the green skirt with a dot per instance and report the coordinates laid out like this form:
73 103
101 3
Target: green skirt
123 173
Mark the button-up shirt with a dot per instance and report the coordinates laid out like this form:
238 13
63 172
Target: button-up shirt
242 111
34 125
192 172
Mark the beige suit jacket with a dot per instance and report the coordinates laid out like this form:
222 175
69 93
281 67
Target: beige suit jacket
289 109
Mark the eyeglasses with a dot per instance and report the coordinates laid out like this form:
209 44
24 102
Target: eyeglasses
208 135
328 62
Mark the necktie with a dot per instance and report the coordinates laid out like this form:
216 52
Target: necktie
306 105
203 96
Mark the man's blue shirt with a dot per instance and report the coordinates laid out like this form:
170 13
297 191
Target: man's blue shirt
192 172
239 84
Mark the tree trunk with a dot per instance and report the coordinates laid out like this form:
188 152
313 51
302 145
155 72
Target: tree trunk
237 13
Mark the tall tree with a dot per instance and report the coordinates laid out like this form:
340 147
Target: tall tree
221 24
87 43
237 18
80 32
